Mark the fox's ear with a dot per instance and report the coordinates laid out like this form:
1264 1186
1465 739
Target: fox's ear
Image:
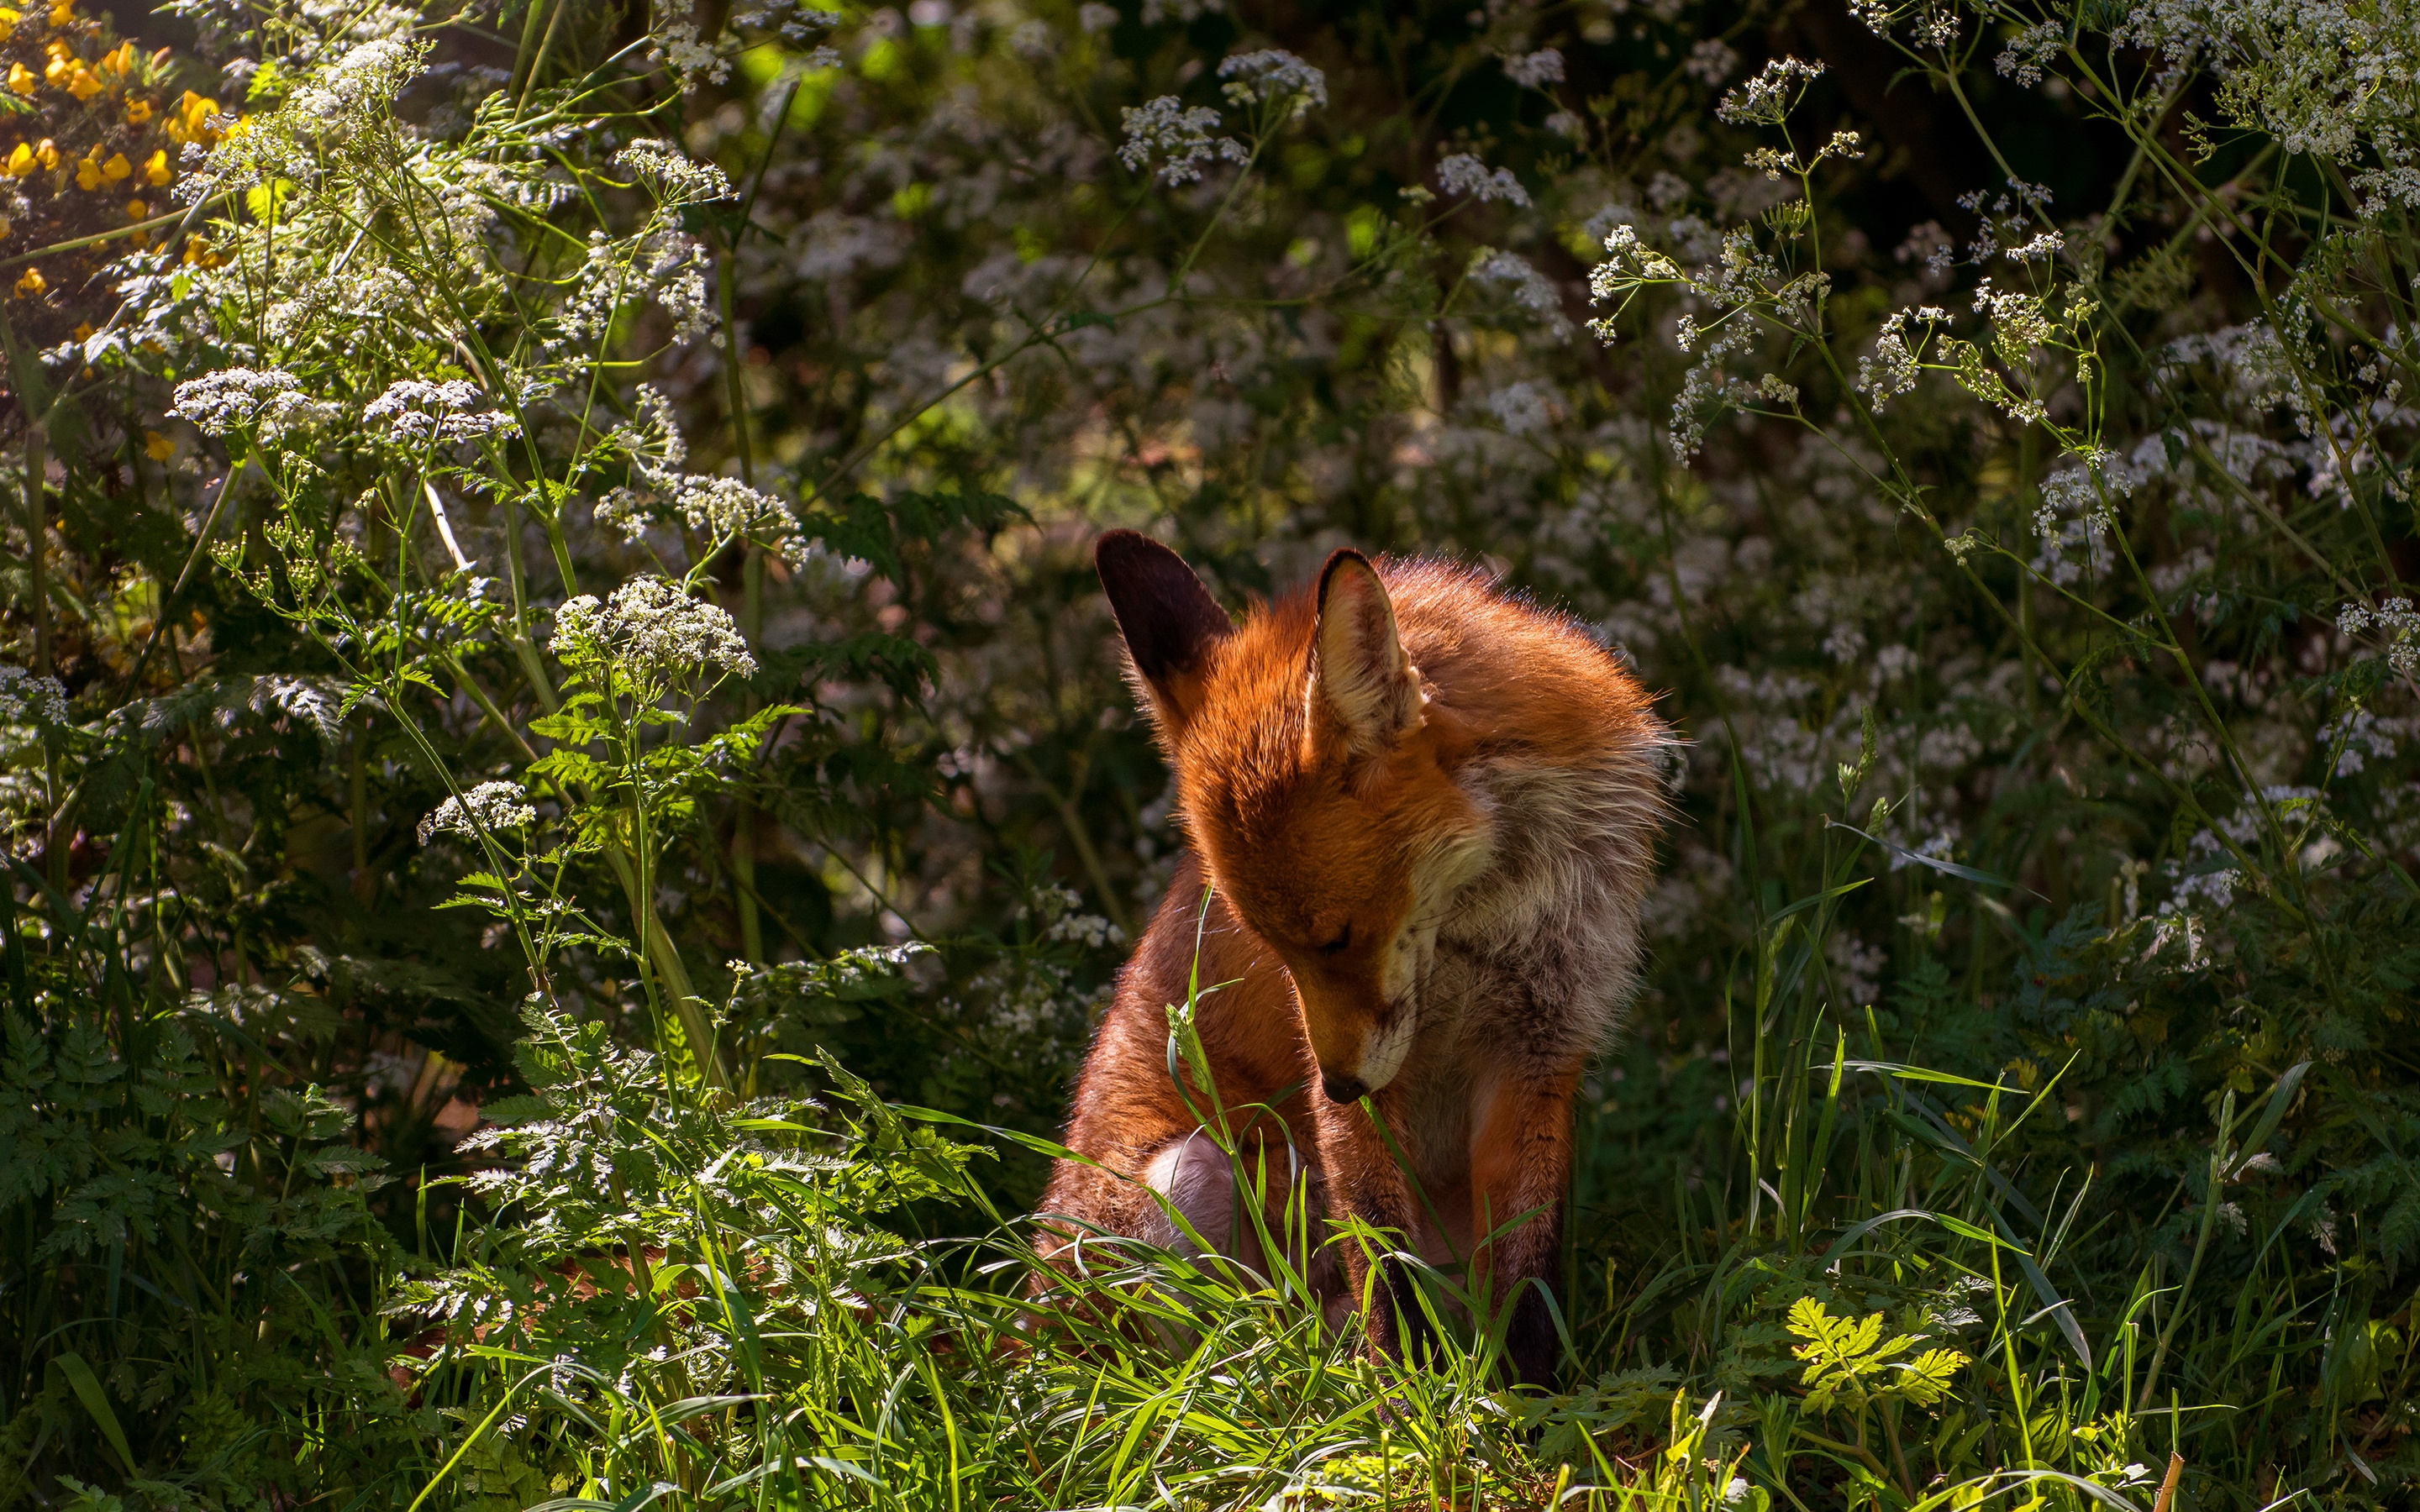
1366 685
1169 619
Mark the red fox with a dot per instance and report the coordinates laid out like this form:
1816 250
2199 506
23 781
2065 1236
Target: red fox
1426 813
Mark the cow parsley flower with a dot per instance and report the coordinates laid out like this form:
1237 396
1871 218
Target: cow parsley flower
675 178
268 400
651 631
1535 71
2026 52
692 62
1274 76
495 807
1529 289
28 698
1711 60
1520 408
1176 138
359 85
417 412
1765 100
1463 174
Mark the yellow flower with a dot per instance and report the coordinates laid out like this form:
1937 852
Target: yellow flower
62 64
47 154
87 174
62 11
121 61
33 282
83 82
199 253
21 163
83 330
23 78
8 20
159 447
156 169
118 168
137 112
136 209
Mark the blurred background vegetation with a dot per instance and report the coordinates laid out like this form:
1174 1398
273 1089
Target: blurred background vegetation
2131 672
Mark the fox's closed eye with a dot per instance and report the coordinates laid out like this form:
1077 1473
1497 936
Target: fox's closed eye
1343 938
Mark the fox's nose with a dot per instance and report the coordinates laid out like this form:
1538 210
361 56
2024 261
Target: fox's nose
1342 1089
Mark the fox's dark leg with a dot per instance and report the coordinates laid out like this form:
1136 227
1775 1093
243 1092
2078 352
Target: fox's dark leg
1364 1181
1520 1169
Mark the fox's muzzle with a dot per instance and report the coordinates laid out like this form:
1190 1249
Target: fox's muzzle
1342 1089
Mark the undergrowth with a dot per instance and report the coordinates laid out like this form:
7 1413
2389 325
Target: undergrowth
570 805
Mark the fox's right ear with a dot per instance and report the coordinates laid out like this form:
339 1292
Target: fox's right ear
1169 619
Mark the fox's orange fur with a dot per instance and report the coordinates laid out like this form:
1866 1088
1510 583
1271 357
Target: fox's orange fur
1426 812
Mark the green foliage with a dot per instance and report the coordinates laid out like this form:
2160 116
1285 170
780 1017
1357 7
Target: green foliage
588 798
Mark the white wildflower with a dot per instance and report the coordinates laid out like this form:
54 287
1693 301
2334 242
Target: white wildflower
1463 174
650 630
1520 408
495 807
1274 76
1767 98
1892 368
676 47
675 178
28 698
1535 71
1711 61
417 412
359 85
1176 138
2025 54
1091 16
1529 289
269 400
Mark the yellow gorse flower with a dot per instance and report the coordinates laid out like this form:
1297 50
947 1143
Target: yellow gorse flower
62 11
137 112
8 20
136 209
157 447
190 120
20 164
21 79
119 61
156 169
47 154
83 82
32 282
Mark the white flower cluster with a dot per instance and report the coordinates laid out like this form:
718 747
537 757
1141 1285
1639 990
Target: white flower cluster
1529 289
2395 619
1711 61
28 698
1535 71
1176 139
494 807
721 509
650 630
2086 492
1520 407
1892 368
1463 174
674 45
270 401
2026 52
359 85
416 411
1766 99
676 177
666 263
1272 77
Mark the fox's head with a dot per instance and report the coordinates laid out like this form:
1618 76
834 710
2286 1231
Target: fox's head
1314 773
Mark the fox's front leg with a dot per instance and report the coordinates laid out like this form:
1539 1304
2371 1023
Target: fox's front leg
1520 1169
1365 1181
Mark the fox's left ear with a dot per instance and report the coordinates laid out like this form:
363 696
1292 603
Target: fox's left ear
1367 686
